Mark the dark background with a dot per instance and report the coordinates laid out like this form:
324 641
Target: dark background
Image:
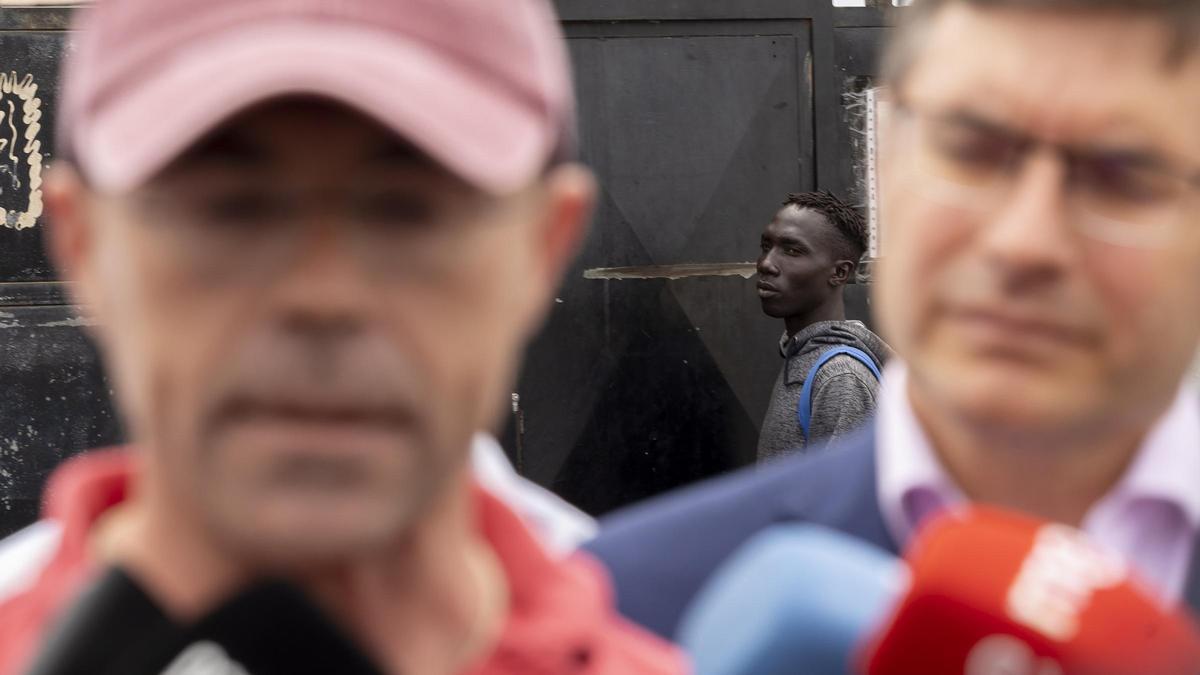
699 117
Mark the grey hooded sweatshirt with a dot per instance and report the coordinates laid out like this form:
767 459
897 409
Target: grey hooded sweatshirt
843 393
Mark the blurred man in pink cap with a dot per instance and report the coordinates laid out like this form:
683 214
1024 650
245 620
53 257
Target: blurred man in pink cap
315 237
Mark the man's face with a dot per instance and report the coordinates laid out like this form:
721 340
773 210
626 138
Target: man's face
1060 296
796 263
306 321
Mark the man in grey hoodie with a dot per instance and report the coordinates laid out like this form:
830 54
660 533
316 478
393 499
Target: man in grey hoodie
810 250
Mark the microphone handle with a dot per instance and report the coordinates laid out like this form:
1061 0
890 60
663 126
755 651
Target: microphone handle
271 628
114 628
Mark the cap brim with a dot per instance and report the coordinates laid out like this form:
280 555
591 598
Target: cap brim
471 124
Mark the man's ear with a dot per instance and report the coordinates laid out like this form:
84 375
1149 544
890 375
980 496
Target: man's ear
67 234
568 194
570 197
843 272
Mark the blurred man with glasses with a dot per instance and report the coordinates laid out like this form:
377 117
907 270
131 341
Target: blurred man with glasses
1040 283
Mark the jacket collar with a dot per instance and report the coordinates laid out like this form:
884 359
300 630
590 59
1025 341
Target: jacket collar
836 488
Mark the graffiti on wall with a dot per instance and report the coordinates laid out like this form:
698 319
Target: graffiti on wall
20 151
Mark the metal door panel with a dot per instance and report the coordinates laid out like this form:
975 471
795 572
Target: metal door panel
697 129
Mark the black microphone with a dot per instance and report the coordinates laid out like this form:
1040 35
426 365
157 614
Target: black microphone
271 628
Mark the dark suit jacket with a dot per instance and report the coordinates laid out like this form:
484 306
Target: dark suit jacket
661 552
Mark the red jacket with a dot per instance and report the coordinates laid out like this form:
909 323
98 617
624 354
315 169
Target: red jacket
561 618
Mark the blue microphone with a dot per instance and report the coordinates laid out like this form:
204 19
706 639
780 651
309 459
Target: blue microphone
795 598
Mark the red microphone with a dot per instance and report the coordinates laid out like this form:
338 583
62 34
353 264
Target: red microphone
998 593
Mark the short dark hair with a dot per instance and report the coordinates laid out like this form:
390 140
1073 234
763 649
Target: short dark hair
1180 17
851 228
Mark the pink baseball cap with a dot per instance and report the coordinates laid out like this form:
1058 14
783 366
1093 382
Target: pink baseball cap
482 86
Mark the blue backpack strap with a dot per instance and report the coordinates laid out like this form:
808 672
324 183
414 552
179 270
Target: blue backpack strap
804 409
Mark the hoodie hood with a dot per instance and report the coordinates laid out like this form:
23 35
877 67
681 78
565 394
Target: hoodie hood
837 411
820 336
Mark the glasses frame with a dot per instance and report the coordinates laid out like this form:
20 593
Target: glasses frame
1090 222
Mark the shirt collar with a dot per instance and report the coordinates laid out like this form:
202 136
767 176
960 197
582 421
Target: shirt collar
1167 467
911 483
909 477
560 617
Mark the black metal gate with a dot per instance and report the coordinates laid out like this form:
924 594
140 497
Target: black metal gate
699 117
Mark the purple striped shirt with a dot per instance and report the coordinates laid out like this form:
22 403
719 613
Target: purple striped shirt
1151 517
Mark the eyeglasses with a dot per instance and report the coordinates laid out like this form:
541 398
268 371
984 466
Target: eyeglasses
1126 197
245 233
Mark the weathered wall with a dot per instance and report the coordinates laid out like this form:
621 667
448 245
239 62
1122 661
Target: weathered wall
53 398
